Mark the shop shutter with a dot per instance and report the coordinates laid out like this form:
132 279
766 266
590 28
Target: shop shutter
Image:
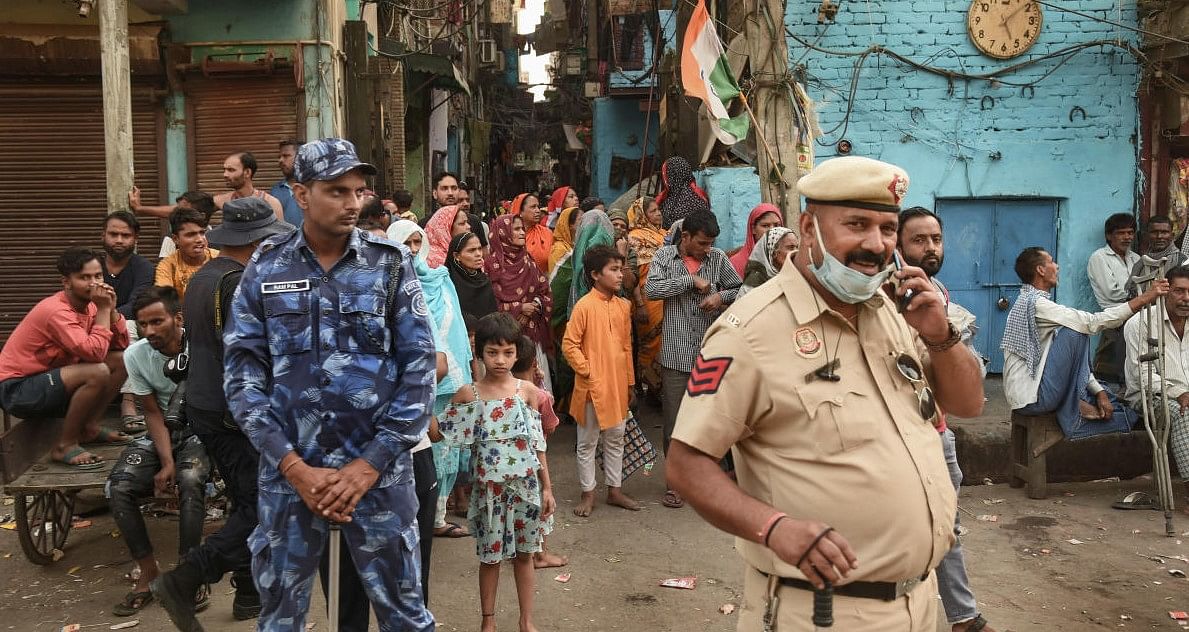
53 183
240 114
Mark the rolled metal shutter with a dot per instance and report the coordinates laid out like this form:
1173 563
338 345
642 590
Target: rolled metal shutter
53 183
229 114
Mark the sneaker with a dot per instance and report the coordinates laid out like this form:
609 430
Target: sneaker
175 591
247 601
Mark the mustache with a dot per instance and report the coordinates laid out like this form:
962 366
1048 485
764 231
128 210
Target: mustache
865 256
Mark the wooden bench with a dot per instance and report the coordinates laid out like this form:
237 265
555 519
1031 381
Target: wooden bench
1031 437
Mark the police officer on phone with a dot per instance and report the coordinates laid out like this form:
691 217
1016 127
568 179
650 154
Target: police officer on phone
827 393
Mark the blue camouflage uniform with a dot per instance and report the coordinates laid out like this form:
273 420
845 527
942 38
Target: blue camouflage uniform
335 365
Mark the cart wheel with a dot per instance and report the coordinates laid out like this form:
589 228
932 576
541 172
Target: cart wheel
43 522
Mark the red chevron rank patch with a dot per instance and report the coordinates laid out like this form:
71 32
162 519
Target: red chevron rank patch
707 375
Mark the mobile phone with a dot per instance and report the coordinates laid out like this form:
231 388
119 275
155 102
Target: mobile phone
903 301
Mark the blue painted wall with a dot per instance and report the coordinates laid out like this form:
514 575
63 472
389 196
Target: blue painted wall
616 123
733 192
642 78
957 143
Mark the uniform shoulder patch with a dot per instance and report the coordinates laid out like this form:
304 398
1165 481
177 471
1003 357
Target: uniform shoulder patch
707 375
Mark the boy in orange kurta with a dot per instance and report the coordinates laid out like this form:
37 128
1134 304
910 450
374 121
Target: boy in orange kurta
598 345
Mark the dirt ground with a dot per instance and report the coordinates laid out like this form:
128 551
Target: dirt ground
1027 574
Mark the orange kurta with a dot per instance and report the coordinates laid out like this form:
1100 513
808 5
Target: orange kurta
538 240
598 345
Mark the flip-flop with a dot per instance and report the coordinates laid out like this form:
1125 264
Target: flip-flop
78 451
107 436
452 531
133 603
134 424
1135 500
672 500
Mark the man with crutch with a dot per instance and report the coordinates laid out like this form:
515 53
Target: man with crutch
1157 374
330 373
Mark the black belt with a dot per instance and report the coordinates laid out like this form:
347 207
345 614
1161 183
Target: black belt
883 591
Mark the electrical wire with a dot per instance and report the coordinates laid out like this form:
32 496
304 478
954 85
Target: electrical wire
1088 16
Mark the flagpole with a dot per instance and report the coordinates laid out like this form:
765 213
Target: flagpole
760 135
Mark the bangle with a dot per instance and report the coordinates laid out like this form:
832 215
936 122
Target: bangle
954 338
292 464
765 532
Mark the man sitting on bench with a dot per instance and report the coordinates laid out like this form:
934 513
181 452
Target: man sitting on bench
1046 352
66 358
1175 380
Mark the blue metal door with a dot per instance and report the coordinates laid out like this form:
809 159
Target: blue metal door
982 240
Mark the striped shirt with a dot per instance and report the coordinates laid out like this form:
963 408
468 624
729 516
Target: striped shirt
684 324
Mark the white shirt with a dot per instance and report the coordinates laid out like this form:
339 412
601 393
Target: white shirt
1108 274
1021 388
1176 358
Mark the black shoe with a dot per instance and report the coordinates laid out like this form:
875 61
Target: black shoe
247 600
175 592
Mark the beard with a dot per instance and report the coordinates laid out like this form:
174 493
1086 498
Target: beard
118 254
930 264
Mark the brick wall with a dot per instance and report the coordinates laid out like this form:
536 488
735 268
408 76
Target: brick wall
956 142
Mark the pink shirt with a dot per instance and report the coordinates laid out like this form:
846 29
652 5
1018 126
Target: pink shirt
54 335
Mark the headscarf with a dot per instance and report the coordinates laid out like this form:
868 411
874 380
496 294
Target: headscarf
680 195
438 230
516 279
593 229
1021 336
478 227
644 237
556 205
446 320
563 238
538 239
475 295
760 267
739 259
618 213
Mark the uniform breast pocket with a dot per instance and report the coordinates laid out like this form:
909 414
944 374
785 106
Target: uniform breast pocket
287 319
840 419
363 329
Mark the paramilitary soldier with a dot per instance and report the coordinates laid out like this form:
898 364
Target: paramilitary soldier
824 387
330 372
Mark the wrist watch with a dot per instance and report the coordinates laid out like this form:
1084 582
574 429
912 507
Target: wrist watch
954 338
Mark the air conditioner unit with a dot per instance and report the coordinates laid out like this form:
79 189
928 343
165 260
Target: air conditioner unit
488 53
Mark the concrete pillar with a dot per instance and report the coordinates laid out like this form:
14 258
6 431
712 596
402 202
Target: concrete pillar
117 101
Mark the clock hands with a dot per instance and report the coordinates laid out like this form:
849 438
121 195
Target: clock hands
1009 16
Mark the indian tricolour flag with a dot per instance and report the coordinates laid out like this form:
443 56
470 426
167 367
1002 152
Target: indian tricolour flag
705 74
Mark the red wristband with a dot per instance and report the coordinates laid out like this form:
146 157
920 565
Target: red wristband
766 530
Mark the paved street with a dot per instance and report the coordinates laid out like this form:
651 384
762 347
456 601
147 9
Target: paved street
1027 575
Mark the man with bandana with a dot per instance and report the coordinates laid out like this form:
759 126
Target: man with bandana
330 372
826 389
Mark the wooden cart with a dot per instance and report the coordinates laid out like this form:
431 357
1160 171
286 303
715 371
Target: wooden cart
43 490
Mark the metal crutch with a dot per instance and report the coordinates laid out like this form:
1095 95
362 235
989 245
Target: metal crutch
1158 429
332 592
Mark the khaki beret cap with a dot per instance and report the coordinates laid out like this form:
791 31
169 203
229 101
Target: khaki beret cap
857 182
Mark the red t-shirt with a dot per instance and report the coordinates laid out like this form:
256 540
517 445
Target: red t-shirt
54 335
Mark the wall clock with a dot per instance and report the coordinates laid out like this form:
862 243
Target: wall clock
1004 28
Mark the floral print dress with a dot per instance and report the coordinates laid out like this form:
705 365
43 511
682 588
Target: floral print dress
504 436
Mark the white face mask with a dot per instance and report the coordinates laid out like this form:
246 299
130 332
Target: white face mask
846 283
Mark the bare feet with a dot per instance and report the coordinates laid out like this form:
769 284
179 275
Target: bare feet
617 498
586 505
545 559
488 623
527 626
1088 411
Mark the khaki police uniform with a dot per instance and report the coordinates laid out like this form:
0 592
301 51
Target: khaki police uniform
855 454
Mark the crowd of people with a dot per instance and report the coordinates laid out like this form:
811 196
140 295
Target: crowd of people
348 362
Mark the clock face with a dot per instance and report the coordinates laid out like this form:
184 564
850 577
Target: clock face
1004 28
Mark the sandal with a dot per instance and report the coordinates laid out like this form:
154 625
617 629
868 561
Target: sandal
202 598
133 603
107 436
452 530
80 459
1136 500
672 500
134 424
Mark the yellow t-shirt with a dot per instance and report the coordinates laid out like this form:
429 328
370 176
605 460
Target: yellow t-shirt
175 272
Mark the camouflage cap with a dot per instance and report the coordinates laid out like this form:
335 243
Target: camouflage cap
327 159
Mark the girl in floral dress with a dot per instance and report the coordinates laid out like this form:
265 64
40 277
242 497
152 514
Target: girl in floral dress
496 419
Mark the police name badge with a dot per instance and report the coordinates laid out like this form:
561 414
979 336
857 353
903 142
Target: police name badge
280 287
807 342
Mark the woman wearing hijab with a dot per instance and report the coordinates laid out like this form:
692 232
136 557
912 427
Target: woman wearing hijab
563 239
538 239
521 289
680 196
446 224
562 199
762 218
476 297
645 237
768 257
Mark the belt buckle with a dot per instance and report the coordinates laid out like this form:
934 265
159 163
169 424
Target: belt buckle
905 586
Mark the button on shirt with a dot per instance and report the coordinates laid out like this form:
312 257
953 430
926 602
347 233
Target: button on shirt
1175 378
855 454
326 363
1109 274
284 194
1019 387
684 324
